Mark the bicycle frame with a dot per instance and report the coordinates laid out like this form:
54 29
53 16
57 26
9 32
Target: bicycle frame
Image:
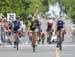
16 40
59 38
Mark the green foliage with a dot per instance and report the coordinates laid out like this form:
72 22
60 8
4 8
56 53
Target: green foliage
69 8
23 7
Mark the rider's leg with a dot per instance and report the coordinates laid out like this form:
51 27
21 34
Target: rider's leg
50 36
43 40
47 37
63 32
36 38
57 38
39 36
33 39
14 41
30 36
62 36
60 42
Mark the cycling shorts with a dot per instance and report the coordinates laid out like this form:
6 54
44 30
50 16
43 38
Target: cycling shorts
59 28
49 29
36 30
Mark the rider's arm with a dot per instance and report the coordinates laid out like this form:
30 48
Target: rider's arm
56 25
64 26
53 26
28 28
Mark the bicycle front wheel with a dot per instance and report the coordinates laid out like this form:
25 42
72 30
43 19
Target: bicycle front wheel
60 45
17 43
17 47
33 48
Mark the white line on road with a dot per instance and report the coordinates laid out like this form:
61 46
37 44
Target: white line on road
66 45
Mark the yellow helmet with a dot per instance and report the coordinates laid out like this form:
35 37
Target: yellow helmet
36 30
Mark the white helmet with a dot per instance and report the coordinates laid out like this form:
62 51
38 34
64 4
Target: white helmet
50 21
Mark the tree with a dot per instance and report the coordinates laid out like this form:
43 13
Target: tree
69 6
23 7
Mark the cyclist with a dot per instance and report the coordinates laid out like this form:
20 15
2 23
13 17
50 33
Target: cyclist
33 34
29 22
60 27
43 37
49 30
38 26
16 26
9 32
32 28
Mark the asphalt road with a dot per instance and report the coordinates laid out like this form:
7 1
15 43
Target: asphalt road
42 50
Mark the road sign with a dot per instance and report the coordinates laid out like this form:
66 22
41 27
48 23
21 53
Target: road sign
11 16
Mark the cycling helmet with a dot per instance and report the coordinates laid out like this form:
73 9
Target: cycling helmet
18 17
50 21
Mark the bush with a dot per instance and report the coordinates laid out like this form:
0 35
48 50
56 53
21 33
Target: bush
73 21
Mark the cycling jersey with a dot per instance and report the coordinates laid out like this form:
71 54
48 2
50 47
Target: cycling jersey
60 24
32 26
49 26
16 26
38 25
29 23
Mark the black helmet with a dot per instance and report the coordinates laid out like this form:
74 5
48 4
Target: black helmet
18 17
30 17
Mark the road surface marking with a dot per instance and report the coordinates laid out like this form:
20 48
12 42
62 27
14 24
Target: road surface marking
27 45
57 52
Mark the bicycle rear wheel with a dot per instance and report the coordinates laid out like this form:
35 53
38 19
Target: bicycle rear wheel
49 39
34 46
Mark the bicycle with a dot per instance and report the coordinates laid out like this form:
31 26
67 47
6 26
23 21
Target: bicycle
33 40
17 41
59 40
49 36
